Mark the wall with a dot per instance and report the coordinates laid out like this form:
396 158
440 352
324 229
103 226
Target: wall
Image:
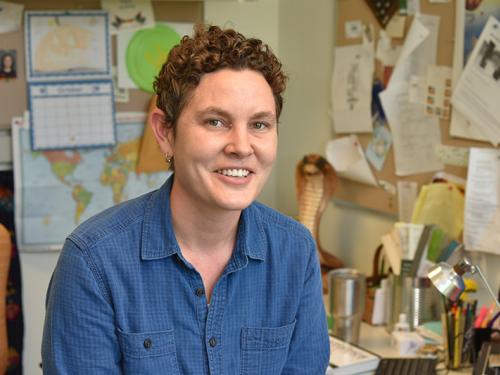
306 39
36 270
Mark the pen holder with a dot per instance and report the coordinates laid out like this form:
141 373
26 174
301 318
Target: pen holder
459 341
413 296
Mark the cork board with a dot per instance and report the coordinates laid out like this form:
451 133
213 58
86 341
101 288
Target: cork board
376 198
13 101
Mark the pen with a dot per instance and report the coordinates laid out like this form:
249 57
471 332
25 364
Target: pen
492 321
488 316
480 317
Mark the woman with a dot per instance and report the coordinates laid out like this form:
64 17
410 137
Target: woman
196 278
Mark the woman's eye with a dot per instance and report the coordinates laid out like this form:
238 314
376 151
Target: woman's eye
215 123
260 125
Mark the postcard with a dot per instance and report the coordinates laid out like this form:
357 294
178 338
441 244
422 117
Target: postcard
128 14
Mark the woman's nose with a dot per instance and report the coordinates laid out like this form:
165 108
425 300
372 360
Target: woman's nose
238 142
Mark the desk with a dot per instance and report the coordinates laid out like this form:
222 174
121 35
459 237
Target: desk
377 340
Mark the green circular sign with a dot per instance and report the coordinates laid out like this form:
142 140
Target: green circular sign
146 53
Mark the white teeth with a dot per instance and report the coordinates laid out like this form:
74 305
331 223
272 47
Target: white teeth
234 172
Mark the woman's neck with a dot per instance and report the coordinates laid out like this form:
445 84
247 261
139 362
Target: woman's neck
202 229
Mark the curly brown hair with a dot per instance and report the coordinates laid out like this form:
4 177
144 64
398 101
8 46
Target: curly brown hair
211 49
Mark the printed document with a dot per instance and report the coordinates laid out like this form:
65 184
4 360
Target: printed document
415 135
482 198
468 26
477 92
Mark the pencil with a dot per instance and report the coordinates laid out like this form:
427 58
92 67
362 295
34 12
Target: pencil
446 330
456 340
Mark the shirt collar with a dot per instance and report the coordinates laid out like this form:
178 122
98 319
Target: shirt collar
158 237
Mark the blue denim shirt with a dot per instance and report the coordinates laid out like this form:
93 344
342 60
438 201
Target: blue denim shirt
123 300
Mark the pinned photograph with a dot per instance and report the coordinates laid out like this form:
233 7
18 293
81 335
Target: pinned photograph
8 67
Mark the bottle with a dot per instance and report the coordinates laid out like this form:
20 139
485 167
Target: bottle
402 325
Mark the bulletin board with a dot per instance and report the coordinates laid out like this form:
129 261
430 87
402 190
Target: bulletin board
13 100
376 198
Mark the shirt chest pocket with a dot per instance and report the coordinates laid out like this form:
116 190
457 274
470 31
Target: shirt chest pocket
148 353
264 350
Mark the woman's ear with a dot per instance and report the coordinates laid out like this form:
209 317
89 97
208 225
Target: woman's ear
163 133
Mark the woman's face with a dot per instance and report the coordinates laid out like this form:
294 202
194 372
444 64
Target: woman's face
7 61
226 141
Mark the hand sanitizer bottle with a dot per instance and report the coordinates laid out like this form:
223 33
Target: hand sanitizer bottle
402 325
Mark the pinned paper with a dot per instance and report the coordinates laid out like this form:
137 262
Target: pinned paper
441 204
438 91
416 90
10 16
351 86
386 52
348 159
407 195
477 92
414 134
396 26
453 155
379 147
353 29
120 94
128 15
482 210
412 7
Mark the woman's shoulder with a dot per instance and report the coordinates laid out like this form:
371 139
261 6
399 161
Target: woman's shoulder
277 221
111 222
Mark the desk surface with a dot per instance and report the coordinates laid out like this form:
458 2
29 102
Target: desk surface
378 340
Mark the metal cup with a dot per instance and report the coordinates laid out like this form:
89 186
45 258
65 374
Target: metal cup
346 292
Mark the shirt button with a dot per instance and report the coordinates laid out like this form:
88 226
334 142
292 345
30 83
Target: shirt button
200 292
147 343
212 342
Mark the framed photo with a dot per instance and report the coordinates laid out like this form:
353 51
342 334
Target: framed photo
8 64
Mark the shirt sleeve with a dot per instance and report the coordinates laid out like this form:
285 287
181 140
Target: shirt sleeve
79 335
309 351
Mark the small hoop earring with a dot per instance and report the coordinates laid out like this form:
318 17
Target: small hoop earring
168 158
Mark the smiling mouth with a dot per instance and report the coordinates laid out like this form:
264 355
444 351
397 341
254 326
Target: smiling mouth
241 173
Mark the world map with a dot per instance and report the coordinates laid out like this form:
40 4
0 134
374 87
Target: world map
59 189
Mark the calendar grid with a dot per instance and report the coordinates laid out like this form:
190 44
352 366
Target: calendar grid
72 115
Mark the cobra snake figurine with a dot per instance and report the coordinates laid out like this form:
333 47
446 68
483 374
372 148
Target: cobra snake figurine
315 179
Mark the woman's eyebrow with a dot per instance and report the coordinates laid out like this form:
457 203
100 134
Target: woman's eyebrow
264 115
213 110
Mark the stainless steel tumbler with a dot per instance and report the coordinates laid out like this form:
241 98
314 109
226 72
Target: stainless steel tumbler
346 292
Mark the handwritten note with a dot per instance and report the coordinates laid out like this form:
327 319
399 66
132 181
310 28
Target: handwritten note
351 88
